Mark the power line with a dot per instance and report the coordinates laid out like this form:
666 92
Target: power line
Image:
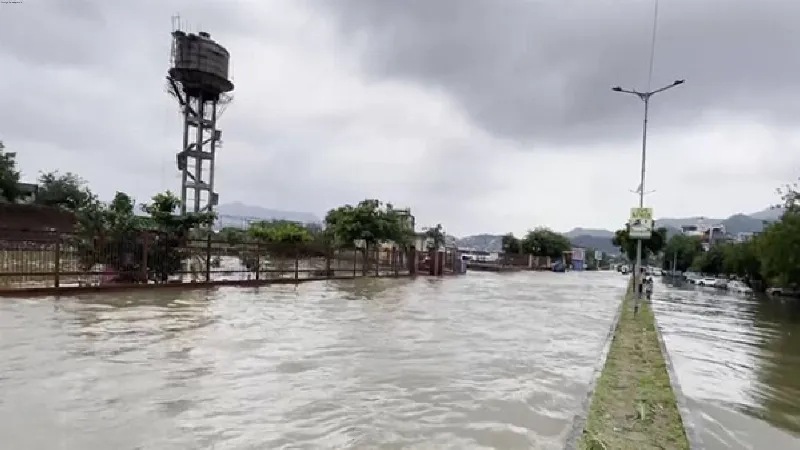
653 46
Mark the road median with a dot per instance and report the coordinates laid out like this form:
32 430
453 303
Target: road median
633 405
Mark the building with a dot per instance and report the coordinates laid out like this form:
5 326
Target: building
407 218
709 234
578 258
744 236
410 222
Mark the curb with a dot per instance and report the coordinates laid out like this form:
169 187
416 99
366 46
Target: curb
689 425
579 422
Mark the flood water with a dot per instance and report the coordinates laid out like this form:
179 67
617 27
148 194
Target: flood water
738 361
480 361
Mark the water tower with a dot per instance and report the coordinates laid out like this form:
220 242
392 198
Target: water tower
198 79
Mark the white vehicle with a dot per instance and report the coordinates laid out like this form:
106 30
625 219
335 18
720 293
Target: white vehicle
739 287
707 282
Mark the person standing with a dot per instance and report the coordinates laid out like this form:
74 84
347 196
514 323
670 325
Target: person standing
649 288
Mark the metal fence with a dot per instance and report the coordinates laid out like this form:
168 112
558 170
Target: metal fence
36 259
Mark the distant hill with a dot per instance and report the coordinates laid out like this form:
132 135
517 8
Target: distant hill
602 243
494 242
594 232
484 242
238 214
737 223
769 214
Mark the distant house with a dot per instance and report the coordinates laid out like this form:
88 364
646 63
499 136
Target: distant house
20 220
708 234
407 218
744 236
410 223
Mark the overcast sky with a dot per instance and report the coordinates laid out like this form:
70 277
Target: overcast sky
484 115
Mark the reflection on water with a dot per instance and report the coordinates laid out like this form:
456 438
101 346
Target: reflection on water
738 361
481 361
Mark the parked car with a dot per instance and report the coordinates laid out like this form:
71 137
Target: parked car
707 282
783 292
739 287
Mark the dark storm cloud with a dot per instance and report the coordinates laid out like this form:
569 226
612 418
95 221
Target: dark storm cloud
87 76
540 71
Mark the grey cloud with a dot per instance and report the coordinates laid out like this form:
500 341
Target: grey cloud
540 71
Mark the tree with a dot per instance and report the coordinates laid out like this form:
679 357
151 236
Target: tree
370 222
650 246
168 251
435 236
280 232
545 242
233 236
681 250
281 238
68 191
9 176
511 244
743 260
779 250
710 262
109 235
790 198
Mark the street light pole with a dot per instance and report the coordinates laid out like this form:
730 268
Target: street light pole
644 97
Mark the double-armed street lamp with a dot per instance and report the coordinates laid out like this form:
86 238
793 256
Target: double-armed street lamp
645 97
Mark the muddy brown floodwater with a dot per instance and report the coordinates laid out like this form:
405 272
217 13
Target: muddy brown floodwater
738 361
480 361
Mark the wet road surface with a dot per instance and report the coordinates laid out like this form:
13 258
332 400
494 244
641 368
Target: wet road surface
738 361
480 361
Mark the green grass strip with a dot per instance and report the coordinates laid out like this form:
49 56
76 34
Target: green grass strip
633 405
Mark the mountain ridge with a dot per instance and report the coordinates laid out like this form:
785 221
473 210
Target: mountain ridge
600 239
237 214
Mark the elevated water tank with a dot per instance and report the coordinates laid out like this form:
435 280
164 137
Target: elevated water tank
200 64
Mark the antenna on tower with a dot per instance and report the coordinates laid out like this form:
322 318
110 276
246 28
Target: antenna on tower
199 80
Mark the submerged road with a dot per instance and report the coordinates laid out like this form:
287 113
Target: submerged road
481 361
738 361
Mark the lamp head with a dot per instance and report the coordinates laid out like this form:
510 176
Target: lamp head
616 89
677 82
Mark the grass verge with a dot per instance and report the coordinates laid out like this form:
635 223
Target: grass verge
633 405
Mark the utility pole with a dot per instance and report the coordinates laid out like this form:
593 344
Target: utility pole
674 264
644 97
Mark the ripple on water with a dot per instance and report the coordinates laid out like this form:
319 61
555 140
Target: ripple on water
482 361
737 359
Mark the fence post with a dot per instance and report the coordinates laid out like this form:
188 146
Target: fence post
296 265
145 249
258 261
329 254
163 273
355 262
57 263
208 257
377 261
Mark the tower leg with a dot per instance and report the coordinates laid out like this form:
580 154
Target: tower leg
198 161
